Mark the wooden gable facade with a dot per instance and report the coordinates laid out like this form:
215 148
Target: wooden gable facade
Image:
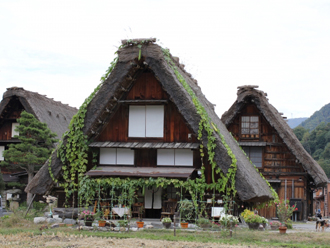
264 144
147 91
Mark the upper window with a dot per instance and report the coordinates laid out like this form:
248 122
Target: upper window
250 126
2 148
178 157
255 154
121 156
13 127
146 121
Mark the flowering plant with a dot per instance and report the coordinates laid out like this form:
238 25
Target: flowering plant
275 223
166 220
228 220
285 211
255 218
87 215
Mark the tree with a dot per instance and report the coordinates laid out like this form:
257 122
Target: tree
2 183
299 132
34 149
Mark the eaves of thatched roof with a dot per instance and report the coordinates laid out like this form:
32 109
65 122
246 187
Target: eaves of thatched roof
250 186
55 114
277 121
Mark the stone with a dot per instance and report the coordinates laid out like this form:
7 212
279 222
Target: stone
54 220
55 225
134 229
69 221
149 226
38 220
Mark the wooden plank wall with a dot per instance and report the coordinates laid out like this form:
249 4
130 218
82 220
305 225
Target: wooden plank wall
147 87
278 162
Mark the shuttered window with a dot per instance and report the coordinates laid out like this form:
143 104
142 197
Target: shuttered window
255 154
146 121
120 156
175 157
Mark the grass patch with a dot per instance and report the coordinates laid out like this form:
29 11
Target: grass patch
19 226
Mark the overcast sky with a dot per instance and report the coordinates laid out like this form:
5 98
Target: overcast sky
62 48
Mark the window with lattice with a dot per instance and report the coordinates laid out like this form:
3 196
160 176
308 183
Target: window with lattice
250 127
255 154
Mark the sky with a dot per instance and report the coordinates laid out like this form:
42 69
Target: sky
62 48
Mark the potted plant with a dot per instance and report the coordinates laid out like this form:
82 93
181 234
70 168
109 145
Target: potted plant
167 222
123 223
253 220
88 217
203 222
186 212
140 223
228 221
274 225
284 212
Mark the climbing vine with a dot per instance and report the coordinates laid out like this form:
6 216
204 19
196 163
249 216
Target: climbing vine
210 128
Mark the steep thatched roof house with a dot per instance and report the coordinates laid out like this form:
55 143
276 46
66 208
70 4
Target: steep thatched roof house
55 114
143 122
273 147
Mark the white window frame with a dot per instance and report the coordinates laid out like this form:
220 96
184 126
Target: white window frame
116 156
2 148
175 157
146 121
13 127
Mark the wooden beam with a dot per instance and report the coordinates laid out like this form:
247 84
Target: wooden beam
143 101
279 159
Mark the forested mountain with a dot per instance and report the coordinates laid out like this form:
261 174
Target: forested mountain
294 122
323 115
317 143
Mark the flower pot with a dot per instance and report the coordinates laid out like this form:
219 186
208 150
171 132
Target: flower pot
140 224
274 227
184 225
253 226
102 223
282 229
167 225
88 222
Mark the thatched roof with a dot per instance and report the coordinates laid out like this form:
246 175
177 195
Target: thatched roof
250 186
276 120
55 114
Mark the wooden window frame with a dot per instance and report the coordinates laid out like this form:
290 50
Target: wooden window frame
249 127
247 150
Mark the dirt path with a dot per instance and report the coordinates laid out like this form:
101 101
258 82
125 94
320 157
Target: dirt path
80 241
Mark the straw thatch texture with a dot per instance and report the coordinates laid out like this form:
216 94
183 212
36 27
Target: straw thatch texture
276 120
250 186
55 114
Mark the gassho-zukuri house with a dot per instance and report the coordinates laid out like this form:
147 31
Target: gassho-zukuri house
271 144
144 123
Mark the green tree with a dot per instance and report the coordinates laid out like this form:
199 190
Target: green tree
34 149
2 183
325 164
299 132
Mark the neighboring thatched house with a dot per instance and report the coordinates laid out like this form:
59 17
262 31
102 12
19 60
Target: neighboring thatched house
267 139
55 114
143 123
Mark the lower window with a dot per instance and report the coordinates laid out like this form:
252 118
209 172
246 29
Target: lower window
255 154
